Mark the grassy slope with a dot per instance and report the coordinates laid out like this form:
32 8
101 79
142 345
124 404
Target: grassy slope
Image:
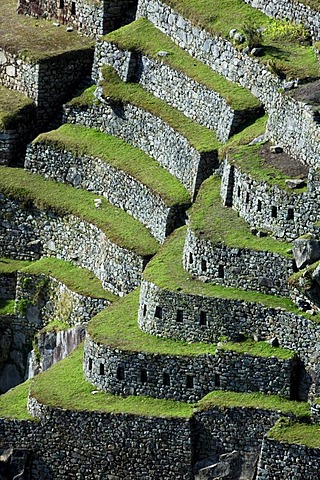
289 432
35 39
79 280
199 137
257 349
222 226
14 106
119 154
13 404
143 37
220 16
249 160
166 271
8 265
253 400
120 227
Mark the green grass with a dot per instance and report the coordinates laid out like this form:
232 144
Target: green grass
117 326
63 386
257 349
120 227
8 265
166 271
7 307
143 37
221 225
36 40
13 404
86 141
248 160
246 135
289 432
253 400
201 138
220 16
79 280
14 108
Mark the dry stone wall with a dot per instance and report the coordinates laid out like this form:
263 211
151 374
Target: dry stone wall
280 460
263 271
286 214
8 285
196 101
183 378
143 130
28 233
100 444
121 189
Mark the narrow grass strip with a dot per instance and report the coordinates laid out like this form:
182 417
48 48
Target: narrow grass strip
257 349
222 399
218 17
221 225
14 107
80 141
13 404
7 306
34 39
79 280
166 271
289 432
117 326
63 386
9 265
119 226
201 138
142 36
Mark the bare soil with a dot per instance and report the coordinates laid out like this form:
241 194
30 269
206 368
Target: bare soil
288 165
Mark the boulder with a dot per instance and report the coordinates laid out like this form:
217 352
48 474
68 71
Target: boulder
306 250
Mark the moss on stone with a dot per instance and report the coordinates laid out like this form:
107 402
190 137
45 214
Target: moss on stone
80 141
143 37
119 226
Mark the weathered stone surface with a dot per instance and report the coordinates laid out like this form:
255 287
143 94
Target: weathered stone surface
306 251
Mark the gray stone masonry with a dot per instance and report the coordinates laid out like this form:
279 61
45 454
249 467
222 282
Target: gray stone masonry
26 233
143 130
195 100
183 378
8 285
279 461
291 123
263 271
287 214
121 189
291 10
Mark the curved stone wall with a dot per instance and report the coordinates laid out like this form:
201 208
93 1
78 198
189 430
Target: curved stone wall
118 187
263 271
286 214
292 10
152 135
207 319
27 233
196 101
183 378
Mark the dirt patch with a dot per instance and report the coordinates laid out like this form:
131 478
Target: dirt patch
308 93
283 162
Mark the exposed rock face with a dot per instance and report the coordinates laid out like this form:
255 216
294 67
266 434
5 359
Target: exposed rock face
306 251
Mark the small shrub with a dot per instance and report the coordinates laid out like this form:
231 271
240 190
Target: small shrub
285 31
253 36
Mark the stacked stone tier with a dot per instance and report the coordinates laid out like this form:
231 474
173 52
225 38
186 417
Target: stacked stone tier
106 165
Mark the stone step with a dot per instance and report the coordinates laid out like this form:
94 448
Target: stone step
187 150
141 53
45 218
126 176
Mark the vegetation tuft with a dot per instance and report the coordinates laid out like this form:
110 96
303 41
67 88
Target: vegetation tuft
7 307
86 141
119 226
